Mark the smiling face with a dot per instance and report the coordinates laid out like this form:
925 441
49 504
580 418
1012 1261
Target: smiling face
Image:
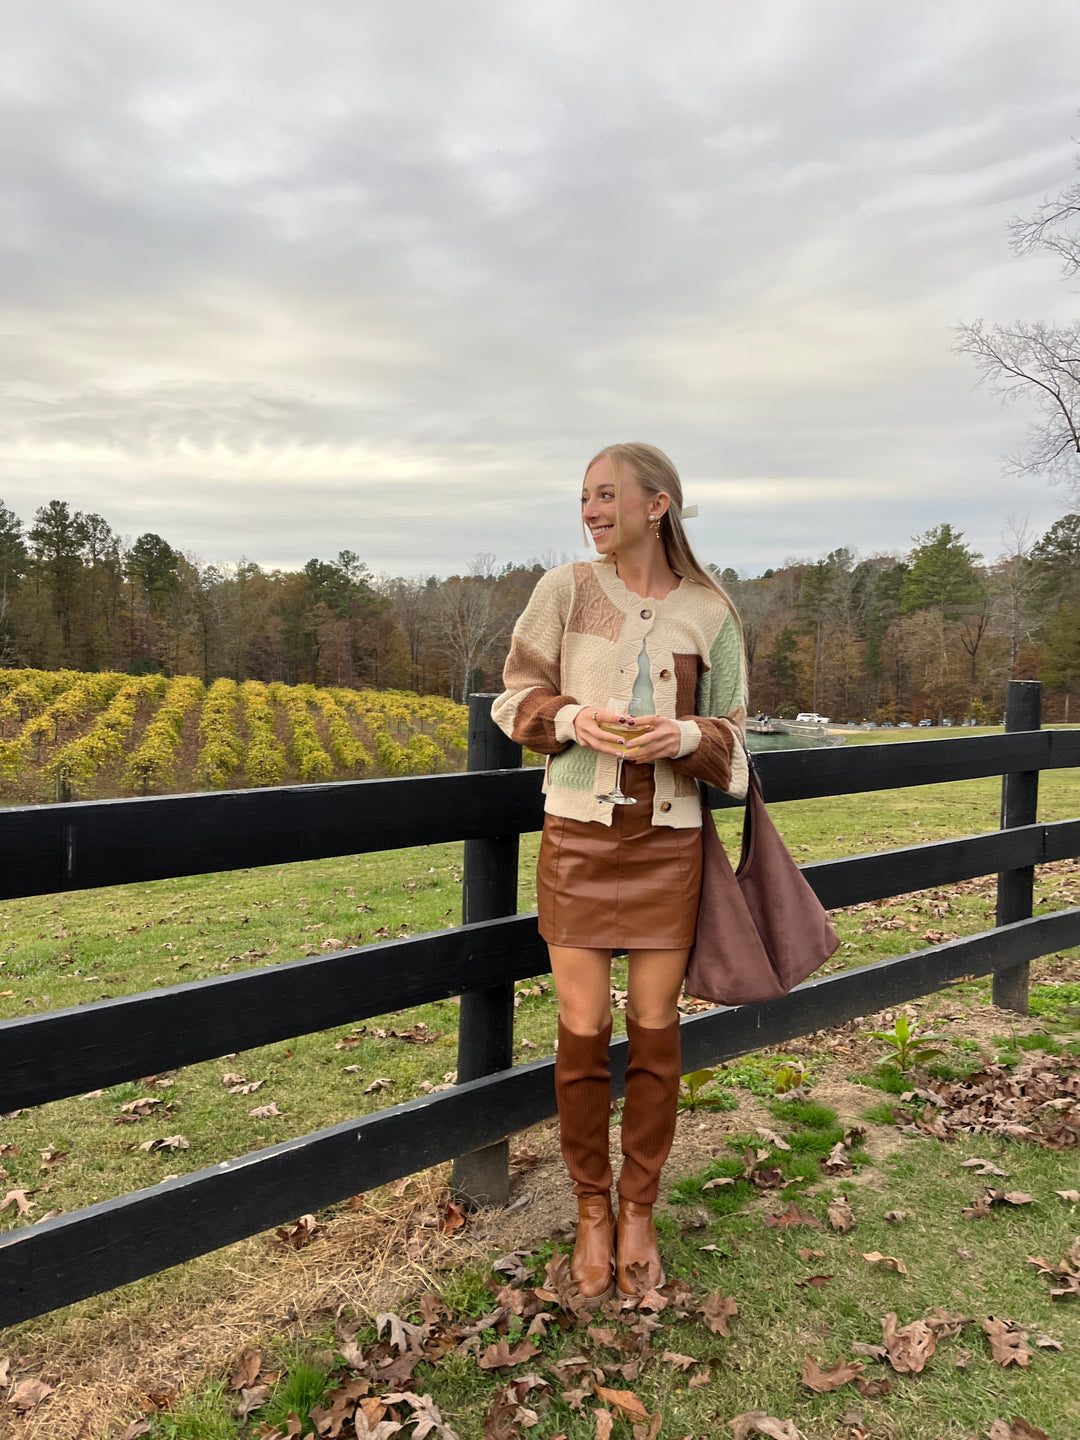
602 503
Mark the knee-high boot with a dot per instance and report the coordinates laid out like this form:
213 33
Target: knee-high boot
648 1128
583 1092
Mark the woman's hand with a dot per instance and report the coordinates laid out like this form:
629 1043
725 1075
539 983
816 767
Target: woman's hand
661 739
588 732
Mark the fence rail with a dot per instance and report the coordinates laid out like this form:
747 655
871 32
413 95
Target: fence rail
66 1052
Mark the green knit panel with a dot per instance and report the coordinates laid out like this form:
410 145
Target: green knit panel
722 688
574 769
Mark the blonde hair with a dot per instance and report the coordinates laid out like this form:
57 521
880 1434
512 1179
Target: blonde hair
656 475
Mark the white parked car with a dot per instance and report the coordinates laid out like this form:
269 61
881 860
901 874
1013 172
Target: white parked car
809 717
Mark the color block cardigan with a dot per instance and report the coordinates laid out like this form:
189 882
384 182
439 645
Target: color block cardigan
577 643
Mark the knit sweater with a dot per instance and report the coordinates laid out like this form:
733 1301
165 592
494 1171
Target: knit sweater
576 645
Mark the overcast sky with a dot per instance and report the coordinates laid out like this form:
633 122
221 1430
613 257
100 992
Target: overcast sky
281 279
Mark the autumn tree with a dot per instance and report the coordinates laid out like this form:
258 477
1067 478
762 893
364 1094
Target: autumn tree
1036 360
12 568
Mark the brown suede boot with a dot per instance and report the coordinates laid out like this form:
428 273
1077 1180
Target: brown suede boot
583 1092
648 1128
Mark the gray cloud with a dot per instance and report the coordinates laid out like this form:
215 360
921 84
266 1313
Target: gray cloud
278 280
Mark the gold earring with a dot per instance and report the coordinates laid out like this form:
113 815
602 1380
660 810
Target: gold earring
654 521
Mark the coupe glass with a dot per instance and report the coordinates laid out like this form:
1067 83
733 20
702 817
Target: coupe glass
629 708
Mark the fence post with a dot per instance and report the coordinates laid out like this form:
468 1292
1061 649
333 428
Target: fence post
1019 803
486 1025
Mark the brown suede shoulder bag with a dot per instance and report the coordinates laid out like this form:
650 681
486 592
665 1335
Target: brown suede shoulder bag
760 929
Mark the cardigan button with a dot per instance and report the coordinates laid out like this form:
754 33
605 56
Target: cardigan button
665 674
646 614
666 806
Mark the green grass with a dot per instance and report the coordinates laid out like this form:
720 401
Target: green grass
780 1321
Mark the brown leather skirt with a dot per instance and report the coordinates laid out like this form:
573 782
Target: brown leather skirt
630 885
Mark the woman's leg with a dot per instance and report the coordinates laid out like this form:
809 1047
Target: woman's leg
652 1091
583 1090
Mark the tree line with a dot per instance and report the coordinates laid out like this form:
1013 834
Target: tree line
935 632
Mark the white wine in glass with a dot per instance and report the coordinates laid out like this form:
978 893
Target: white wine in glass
631 708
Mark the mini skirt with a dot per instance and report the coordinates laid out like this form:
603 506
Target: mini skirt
630 885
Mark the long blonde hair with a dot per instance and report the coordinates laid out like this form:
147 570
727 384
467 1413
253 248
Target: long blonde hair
656 475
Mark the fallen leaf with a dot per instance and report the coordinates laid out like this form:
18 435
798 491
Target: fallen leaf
908 1348
762 1424
1047 1342
838 1374
604 1421
873 1352
791 1216
896 1217
805 1255
453 1219
136 1429
623 1402
982 1167
815 1281
51 1157
500 1354
720 1180
169 1142
718 1309
18 1198
886 1262
252 1398
871 1389
29 1393
246 1370
296 1238
771 1137
1071 1197
1020 1429
5 1366
380 1084
264 1112
840 1214
837 1161
1008 1344
602 1336
680 1362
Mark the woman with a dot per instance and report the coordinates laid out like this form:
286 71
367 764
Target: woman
645 619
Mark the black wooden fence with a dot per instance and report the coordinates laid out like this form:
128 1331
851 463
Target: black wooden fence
67 1052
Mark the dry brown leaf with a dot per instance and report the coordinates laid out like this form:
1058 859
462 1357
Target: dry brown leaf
264 1112
908 1348
718 1309
896 1217
650 1430
252 1397
453 1219
792 1216
759 1423
624 1403
381 1084
499 1354
805 1255
1071 1197
720 1180
604 1421
813 1281
944 1325
51 1157
838 1374
841 1216
1020 1429
884 1262
771 1137
873 1352
602 1336
303 1231
28 1393
18 1198
5 1366
1008 1344
982 1167
136 1430
246 1370
680 1362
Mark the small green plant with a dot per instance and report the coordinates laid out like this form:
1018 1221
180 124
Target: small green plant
692 1096
908 1043
789 1076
